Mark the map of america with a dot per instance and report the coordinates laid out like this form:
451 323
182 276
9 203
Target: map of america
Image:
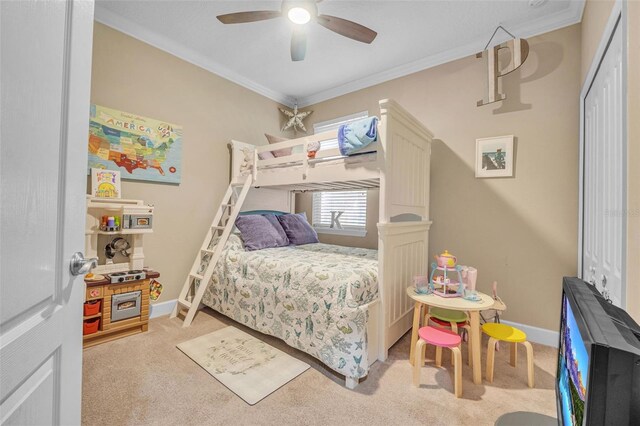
141 148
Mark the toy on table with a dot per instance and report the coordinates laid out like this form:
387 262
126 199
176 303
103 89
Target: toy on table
423 285
446 259
440 278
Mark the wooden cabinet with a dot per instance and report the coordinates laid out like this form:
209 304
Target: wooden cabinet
102 292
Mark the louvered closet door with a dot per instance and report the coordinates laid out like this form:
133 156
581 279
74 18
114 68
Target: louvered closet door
604 168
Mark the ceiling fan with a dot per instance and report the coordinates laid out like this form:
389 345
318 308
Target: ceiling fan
301 12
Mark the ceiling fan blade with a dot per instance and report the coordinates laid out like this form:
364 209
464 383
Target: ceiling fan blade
242 17
347 28
298 44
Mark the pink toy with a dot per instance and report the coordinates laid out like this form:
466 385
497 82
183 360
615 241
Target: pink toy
469 277
446 259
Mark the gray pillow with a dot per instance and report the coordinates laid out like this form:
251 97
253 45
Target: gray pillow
261 231
298 229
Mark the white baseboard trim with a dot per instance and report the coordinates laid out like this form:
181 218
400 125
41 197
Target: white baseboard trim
163 308
536 334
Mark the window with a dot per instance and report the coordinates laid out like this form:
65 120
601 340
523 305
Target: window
353 219
353 204
326 126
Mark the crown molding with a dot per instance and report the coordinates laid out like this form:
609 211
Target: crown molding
183 52
571 15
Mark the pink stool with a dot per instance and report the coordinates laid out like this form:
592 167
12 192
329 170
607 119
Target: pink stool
440 338
455 326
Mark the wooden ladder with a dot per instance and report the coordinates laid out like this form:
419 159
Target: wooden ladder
210 251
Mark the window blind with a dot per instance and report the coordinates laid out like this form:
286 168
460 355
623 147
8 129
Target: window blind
352 203
334 124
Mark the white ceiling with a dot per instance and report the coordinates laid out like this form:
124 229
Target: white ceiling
412 35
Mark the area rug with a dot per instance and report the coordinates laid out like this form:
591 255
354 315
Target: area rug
249 367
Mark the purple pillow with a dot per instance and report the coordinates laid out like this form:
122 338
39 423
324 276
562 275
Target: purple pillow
298 229
266 155
273 220
260 232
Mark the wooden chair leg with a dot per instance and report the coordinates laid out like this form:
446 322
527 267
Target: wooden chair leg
419 361
529 363
468 347
457 371
438 356
491 354
514 354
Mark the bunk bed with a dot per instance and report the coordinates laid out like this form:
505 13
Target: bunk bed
371 321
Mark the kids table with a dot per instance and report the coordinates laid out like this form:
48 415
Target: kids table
457 304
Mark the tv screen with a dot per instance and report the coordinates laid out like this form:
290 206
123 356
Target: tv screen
573 368
598 375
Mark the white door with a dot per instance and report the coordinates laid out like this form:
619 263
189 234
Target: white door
604 172
45 51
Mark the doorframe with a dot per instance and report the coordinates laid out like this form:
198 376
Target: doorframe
618 18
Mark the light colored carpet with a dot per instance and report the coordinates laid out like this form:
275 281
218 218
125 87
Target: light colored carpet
249 367
145 379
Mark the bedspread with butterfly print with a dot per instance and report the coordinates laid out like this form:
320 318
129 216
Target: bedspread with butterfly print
311 296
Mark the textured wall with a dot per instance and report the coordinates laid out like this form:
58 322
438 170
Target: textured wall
135 77
522 231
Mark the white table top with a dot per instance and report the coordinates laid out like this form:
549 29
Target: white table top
454 303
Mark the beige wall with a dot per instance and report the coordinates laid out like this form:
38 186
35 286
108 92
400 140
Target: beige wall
132 76
594 19
522 231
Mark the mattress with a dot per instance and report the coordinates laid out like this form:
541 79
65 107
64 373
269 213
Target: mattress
314 297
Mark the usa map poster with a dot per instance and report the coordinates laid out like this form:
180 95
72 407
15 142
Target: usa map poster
140 148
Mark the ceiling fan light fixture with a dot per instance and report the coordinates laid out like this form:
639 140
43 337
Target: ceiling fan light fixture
299 15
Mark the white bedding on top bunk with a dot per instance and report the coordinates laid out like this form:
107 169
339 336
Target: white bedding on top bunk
354 159
314 297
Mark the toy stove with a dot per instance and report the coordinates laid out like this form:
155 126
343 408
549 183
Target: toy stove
123 277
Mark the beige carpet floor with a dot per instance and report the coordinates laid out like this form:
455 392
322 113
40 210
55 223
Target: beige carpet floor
145 379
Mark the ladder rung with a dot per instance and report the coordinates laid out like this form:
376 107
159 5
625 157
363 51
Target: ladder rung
185 303
229 207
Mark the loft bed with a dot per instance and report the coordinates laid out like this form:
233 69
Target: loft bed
398 164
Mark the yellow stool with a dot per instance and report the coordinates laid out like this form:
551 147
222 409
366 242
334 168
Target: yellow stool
506 333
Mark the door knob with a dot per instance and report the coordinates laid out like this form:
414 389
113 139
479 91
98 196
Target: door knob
80 266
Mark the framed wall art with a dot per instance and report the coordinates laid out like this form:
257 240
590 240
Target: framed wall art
494 157
140 148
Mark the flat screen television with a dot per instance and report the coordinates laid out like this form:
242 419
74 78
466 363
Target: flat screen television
598 375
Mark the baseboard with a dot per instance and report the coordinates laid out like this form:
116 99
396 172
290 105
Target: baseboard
536 334
163 308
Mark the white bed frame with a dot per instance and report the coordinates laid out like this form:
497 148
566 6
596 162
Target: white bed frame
399 167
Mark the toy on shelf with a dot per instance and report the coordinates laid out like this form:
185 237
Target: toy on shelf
447 260
443 285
